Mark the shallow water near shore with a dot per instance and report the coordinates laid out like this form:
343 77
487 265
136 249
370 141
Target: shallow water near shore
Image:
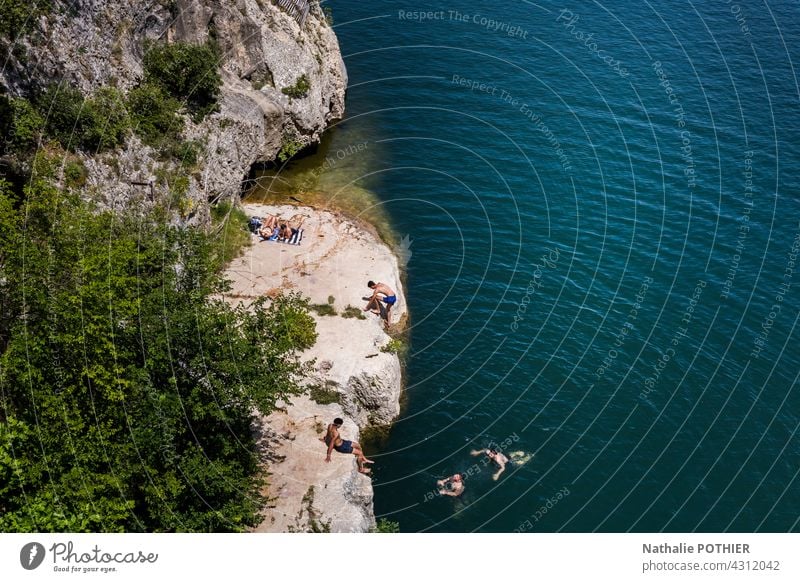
599 261
335 175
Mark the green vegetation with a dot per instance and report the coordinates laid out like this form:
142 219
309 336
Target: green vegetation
156 119
127 386
229 232
314 524
324 394
386 526
111 122
178 201
65 118
74 174
328 12
289 149
174 74
95 124
186 72
353 312
62 113
395 346
154 115
300 88
17 17
21 125
186 152
323 308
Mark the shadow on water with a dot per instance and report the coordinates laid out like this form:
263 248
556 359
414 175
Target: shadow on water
337 174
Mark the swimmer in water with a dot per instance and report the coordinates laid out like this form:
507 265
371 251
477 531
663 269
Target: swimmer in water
452 486
496 456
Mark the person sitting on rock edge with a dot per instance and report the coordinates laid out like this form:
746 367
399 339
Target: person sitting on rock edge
335 441
389 298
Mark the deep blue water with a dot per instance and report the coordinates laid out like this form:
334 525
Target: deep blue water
546 178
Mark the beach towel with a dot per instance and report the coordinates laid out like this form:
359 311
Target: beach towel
297 236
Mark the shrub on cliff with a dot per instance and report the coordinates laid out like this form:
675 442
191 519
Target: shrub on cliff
98 123
21 125
386 526
17 17
300 88
289 148
110 119
127 386
154 115
188 73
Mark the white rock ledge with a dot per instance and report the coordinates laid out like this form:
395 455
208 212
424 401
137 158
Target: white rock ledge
336 258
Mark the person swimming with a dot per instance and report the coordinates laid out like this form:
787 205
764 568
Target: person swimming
452 486
497 457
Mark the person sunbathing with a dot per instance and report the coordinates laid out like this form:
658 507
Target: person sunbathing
269 224
287 231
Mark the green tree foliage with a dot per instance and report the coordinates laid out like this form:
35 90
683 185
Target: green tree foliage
188 73
6 121
154 115
127 386
20 124
289 148
62 107
111 122
386 526
95 124
17 17
27 125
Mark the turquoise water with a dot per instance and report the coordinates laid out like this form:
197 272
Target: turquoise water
604 217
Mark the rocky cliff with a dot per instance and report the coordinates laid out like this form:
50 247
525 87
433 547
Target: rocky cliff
353 356
355 373
306 494
263 50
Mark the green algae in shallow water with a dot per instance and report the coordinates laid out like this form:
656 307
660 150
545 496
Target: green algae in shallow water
337 175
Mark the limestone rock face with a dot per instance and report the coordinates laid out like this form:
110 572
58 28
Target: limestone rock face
335 260
331 266
93 43
306 493
368 380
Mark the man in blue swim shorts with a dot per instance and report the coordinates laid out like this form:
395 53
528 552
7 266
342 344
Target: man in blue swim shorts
389 299
337 443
